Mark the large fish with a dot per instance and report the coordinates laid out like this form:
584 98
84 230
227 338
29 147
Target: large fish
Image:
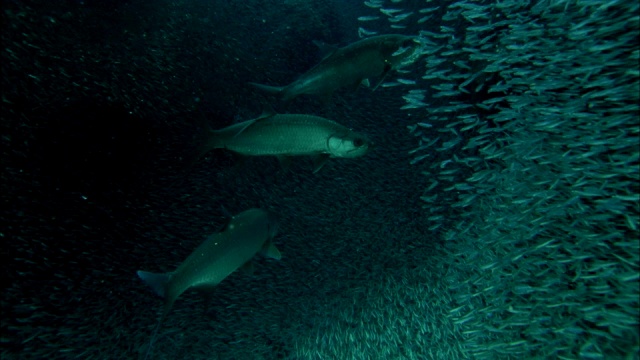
350 66
286 135
247 234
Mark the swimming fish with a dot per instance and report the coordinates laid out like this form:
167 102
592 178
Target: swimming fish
287 135
350 66
247 234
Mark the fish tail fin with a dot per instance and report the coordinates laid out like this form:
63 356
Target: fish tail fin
206 140
284 93
157 282
154 335
271 90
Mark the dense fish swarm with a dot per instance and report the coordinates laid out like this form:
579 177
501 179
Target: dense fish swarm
530 146
547 248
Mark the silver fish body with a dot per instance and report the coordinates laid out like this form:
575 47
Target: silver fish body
246 235
349 66
290 135
218 256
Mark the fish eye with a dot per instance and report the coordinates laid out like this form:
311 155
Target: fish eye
358 142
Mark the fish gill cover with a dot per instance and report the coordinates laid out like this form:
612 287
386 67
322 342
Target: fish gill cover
507 229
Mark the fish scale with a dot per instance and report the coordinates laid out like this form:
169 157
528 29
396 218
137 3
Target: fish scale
289 135
350 66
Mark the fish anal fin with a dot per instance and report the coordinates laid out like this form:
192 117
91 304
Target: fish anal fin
285 162
319 162
206 291
248 268
359 83
157 282
387 69
269 250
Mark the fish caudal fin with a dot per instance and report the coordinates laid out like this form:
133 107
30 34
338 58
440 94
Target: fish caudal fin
157 282
154 336
284 93
206 140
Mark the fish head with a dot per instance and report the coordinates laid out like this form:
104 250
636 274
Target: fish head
348 145
402 50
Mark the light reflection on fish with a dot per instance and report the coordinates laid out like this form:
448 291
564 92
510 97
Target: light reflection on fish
350 66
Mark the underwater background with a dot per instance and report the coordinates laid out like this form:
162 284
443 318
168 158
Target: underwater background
496 217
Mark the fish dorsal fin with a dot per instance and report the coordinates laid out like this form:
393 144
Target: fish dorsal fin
227 213
245 125
225 227
270 251
227 217
267 112
387 69
326 50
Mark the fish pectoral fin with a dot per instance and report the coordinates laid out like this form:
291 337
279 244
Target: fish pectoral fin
269 250
206 291
387 69
319 162
157 282
248 268
365 83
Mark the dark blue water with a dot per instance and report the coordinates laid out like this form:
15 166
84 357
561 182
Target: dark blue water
495 217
